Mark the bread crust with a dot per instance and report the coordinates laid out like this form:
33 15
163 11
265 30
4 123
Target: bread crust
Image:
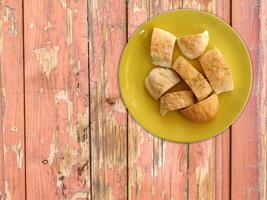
203 111
160 80
162 46
217 71
193 46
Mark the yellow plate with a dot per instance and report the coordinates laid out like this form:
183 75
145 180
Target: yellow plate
136 62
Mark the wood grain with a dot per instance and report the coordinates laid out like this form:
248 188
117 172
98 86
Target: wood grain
249 132
157 168
57 99
12 181
107 37
222 146
209 160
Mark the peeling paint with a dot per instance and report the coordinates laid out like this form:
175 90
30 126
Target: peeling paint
63 3
82 126
66 164
75 65
79 195
14 129
63 95
68 161
19 154
48 26
7 192
47 58
10 17
53 146
69 19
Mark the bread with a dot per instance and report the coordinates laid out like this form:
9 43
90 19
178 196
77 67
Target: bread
194 79
175 101
160 80
203 111
193 46
217 71
162 45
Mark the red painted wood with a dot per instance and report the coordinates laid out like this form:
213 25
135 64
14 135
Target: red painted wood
222 148
249 132
107 37
12 185
157 168
57 102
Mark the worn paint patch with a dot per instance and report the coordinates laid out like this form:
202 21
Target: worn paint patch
19 154
10 17
63 3
75 65
31 25
53 150
69 20
14 129
7 192
5 148
47 58
63 95
66 165
48 26
80 195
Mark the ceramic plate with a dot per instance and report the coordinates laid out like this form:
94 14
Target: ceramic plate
136 62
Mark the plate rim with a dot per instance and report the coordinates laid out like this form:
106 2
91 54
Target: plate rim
250 70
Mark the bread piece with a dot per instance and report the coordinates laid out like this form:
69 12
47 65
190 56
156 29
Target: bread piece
203 111
194 79
193 46
175 101
162 45
217 71
160 80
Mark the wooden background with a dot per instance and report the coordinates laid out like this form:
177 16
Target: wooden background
65 132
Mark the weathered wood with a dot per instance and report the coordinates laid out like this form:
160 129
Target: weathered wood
57 99
157 168
222 147
107 37
12 183
262 101
249 132
209 164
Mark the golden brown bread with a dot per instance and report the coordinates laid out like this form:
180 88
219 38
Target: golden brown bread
176 100
194 79
193 46
162 45
217 71
203 111
160 80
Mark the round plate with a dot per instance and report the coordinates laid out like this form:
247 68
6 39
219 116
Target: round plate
136 63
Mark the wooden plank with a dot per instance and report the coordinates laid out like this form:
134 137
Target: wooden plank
249 132
209 160
201 169
12 166
107 37
57 99
157 168
262 116
222 147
